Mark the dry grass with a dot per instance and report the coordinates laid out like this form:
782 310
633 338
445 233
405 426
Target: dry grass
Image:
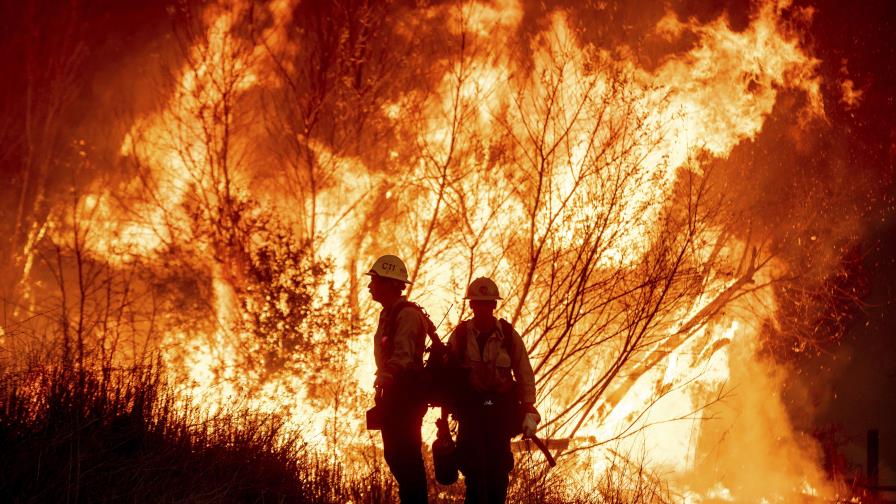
72 436
83 436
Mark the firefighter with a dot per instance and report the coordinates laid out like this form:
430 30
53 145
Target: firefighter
498 401
398 351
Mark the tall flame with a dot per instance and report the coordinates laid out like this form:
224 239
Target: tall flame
697 403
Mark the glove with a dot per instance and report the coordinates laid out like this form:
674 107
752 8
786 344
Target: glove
530 424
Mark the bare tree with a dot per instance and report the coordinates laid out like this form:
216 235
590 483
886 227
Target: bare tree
612 255
329 77
46 54
269 297
90 315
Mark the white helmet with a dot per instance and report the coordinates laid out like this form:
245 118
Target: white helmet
389 266
482 289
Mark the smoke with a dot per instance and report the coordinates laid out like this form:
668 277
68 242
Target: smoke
742 95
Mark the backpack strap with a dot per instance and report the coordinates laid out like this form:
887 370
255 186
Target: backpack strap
461 339
392 318
389 330
506 330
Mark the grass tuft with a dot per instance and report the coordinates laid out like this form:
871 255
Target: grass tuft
92 436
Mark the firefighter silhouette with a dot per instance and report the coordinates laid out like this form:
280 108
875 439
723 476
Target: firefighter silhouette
499 397
398 351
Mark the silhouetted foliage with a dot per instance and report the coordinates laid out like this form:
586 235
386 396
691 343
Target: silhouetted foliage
84 437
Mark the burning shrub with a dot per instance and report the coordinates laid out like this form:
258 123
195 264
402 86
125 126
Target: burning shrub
290 308
285 316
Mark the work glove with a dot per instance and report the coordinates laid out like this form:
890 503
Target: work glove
530 424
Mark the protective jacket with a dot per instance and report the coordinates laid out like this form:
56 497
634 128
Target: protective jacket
400 348
494 367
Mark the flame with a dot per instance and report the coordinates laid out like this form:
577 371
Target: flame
456 211
851 97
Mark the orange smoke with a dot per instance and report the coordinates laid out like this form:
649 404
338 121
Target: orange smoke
514 164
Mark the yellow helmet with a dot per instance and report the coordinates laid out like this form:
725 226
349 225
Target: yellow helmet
482 289
390 266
